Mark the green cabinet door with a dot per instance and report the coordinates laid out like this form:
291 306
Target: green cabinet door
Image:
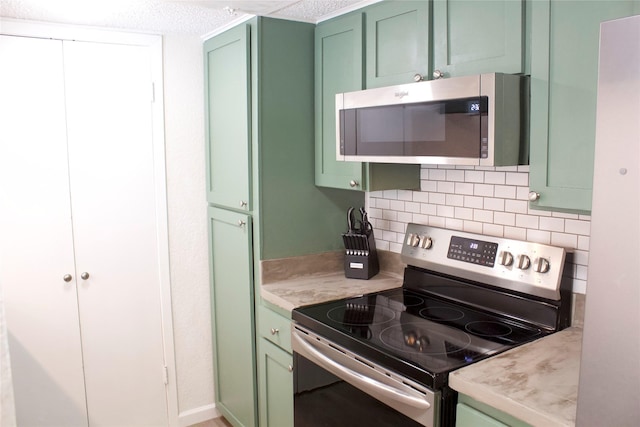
339 68
397 42
232 310
472 413
228 118
564 69
478 36
276 386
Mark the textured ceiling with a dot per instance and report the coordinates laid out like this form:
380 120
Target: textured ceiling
199 17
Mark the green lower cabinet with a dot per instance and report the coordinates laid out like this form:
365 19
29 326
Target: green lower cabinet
276 385
275 369
471 413
564 71
232 311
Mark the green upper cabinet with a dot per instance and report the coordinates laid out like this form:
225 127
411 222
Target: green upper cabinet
228 118
478 36
564 71
339 67
397 42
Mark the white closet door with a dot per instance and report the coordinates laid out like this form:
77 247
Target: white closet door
109 100
35 236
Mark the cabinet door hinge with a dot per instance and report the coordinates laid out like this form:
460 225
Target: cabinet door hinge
165 372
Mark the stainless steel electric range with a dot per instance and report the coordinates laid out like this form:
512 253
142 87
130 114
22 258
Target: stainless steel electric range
383 359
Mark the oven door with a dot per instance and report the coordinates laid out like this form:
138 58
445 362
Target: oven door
333 386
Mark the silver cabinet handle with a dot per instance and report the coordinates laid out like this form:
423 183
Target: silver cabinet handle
533 196
417 77
290 368
274 331
241 223
437 74
67 278
84 275
353 183
243 204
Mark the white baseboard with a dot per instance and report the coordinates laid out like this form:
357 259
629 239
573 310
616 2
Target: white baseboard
198 415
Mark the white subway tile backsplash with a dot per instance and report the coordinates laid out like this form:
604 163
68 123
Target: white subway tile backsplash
463 213
564 240
428 209
437 174
437 198
494 177
455 175
472 227
473 202
454 200
493 204
577 227
517 178
484 200
483 190
504 218
527 221
474 176
464 188
552 224
516 206
505 191
482 215
446 187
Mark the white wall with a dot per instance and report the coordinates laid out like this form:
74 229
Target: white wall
490 201
184 136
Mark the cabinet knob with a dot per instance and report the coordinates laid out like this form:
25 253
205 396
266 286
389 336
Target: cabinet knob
243 204
290 368
533 196
437 74
67 278
241 223
84 275
353 183
274 331
417 77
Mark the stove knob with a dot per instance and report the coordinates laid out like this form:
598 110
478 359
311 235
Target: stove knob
524 262
505 258
541 265
413 239
426 242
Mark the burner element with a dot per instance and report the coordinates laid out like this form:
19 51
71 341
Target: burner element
415 338
487 328
442 314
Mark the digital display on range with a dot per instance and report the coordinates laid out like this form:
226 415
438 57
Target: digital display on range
473 251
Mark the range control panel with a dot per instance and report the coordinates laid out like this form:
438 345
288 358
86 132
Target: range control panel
527 267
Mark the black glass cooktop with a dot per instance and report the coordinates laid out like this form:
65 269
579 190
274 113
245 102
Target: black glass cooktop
421 336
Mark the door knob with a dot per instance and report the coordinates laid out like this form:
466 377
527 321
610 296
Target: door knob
353 183
67 277
84 275
533 196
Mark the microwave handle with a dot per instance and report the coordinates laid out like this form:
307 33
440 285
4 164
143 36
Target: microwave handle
383 392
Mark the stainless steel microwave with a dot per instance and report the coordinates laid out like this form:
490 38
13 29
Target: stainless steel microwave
472 120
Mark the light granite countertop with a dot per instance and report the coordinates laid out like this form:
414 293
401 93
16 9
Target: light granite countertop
304 290
536 382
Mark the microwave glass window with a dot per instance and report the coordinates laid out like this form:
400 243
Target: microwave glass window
452 128
380 130
425 122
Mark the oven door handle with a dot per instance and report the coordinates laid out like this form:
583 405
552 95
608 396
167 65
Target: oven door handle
384 392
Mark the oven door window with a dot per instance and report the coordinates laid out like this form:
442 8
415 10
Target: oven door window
323 400
451 128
